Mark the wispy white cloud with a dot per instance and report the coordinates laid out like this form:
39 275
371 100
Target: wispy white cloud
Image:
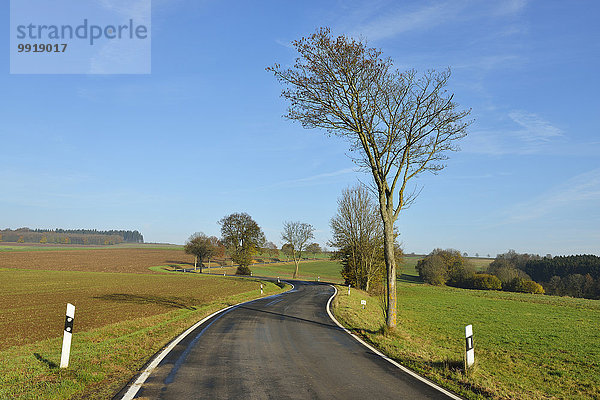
534 128
284 43
489 62
392 20
311 180
319 177
529 134
400 21
580 189
509 7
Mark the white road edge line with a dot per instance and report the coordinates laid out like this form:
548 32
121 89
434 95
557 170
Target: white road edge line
136 386
380 354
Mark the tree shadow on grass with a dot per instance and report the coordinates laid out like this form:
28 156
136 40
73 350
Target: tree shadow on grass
172 302
179 262
50 364
410 279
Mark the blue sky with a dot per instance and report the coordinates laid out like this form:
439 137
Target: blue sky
202 136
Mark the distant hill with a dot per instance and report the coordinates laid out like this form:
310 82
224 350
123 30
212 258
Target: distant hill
70 236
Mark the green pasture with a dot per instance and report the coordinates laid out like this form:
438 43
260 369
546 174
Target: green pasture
526 346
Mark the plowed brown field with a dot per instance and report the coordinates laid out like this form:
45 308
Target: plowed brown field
105 285
104 260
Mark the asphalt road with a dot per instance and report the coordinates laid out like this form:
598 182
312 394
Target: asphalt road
281 347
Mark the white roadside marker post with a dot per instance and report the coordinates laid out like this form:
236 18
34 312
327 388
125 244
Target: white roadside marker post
261 288
318 279
67 335
278 281
469 349
364 303
348 290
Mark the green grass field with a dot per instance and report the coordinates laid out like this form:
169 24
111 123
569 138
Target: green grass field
328 271
121 320
481 264
526 346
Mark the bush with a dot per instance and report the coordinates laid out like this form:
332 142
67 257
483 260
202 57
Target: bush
532 287
508 274
433 270
440 266
524 286
462 276
486 282
243 270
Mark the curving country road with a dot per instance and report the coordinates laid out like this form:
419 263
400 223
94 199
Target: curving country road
280 347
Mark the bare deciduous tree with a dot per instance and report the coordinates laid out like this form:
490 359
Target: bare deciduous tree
314 248
296 234
400 125
358 235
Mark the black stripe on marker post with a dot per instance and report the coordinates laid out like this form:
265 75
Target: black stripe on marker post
69 324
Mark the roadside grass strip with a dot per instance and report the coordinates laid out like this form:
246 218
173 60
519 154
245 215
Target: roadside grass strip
526 346
380 354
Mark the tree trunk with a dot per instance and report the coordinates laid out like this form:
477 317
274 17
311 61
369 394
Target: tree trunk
296 271
390 264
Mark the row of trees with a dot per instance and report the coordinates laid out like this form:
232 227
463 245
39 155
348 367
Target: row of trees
576 276
128 236
449 267
75 236
242 238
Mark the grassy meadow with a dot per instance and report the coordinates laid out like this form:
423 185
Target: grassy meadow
328 271
121 319
526 346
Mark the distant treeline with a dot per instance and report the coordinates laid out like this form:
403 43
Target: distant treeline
576 276
70 236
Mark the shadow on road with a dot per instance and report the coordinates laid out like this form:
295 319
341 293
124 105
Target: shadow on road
282 316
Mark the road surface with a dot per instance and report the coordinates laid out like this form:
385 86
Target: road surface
281 347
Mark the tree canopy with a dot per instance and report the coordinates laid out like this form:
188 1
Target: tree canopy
202 246
242 237
398 124
296 234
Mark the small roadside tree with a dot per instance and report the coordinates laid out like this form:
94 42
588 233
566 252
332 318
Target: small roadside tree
399 124
270 249
201 247
217 247
358 235
296 234
314 248
287 251
242 237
